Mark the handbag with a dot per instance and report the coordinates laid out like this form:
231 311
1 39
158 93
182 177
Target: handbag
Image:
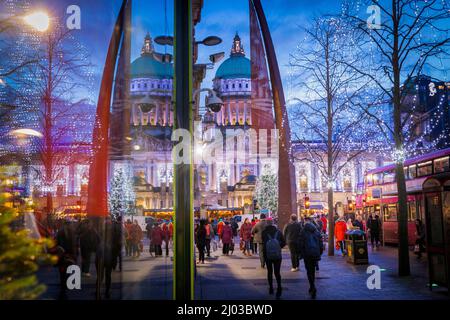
242 245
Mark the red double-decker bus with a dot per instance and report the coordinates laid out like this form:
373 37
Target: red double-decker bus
380 192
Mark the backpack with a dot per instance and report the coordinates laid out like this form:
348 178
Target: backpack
312 245
273 248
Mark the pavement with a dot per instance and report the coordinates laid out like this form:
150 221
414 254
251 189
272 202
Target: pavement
238 277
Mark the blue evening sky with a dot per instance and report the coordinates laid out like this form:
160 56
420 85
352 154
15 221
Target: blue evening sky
221 18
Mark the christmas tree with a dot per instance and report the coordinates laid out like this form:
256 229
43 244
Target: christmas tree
267 190
20 255
121 197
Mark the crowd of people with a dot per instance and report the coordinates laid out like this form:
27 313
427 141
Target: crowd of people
305 238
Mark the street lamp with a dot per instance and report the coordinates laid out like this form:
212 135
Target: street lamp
38 20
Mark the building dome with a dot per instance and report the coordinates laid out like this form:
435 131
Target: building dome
149 67
234 67
237 65
146 66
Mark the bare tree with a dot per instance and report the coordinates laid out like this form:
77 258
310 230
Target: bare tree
327 112
411 34
58 80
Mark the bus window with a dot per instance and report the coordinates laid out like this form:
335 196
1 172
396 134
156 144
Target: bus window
390 212
441 165
424 169
412 171
389 177
412 211
377 178
405 170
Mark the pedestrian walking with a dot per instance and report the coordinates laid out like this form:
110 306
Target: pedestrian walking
311 248
340 228
374 228
246 235
105 255
209 237
420 239
157 237
324 223
88 245
136 238
292 236
117 244
128 242
200 240
227 237
257 237
358 223
273 242
66 251
252 240
166 236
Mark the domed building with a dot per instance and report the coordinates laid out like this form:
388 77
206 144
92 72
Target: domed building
228 184
233 84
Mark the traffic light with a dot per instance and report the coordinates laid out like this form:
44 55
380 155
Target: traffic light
307 203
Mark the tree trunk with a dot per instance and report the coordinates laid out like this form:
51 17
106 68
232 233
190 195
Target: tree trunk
330 222
403 248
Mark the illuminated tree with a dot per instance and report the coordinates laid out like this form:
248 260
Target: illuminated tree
267 190
330 127
122 196
410 36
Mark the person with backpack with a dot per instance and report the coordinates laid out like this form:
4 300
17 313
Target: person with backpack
273 242
292 235
311 248
257 237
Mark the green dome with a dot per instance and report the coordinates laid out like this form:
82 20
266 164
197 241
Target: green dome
234 67
147 67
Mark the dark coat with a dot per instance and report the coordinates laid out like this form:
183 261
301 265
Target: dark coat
273 232
200 235
292 232
310 230
374 225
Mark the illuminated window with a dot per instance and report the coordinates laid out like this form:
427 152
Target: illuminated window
441 165
424 169
389 177
390 212
304 182
412 172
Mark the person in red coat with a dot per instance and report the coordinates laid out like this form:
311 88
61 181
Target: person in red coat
227 237
157 239
324 223
340 228
246 236
166 236
220 227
